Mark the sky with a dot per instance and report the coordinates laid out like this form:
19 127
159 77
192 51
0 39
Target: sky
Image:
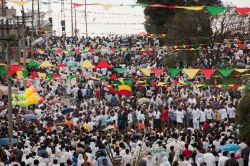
116 20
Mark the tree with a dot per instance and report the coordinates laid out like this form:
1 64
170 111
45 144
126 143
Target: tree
229 25
243 116
181 26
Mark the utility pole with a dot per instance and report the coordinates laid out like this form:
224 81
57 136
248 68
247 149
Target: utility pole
24 47
75 21
19 39
72 24
38 14
3 8
10 116
32 28
62 17
86 23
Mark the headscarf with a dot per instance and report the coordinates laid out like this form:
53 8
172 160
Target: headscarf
80 160
165 162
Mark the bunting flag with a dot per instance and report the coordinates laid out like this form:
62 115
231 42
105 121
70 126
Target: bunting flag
191 72
241 70
124 90
19 74
77 4
162 6
208 72
32 63
225 72
174 72
243 11
106 6
120 70
157 72
234 86
161 83
87 64
13 69
56 75
49 75
146 71
25 74
2 72
103 64
42 75
190 7
214 11
20 3
200 85
182 82
33 75
46 64
113 77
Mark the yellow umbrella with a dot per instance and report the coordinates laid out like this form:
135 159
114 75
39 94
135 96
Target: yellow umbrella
46 64
87 64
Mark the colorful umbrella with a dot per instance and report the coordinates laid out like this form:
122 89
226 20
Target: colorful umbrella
87 64
143 100
230 147
124 90
30 117
61 65
103 64
5 141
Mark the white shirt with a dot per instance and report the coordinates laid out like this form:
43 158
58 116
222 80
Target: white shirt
196 115
140 116
179 116
231 112
127 158
130 118
209 158
222 160
192 101
202 116
209 113
157 115
223 113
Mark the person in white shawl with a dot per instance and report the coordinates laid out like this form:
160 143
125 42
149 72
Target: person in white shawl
151 160
80 160
165 162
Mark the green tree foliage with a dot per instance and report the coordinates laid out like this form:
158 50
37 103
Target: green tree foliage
243 116
181 26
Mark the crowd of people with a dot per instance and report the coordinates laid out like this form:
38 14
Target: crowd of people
81 122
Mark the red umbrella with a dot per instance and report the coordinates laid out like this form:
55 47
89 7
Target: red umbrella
103 64
61 65
54 101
